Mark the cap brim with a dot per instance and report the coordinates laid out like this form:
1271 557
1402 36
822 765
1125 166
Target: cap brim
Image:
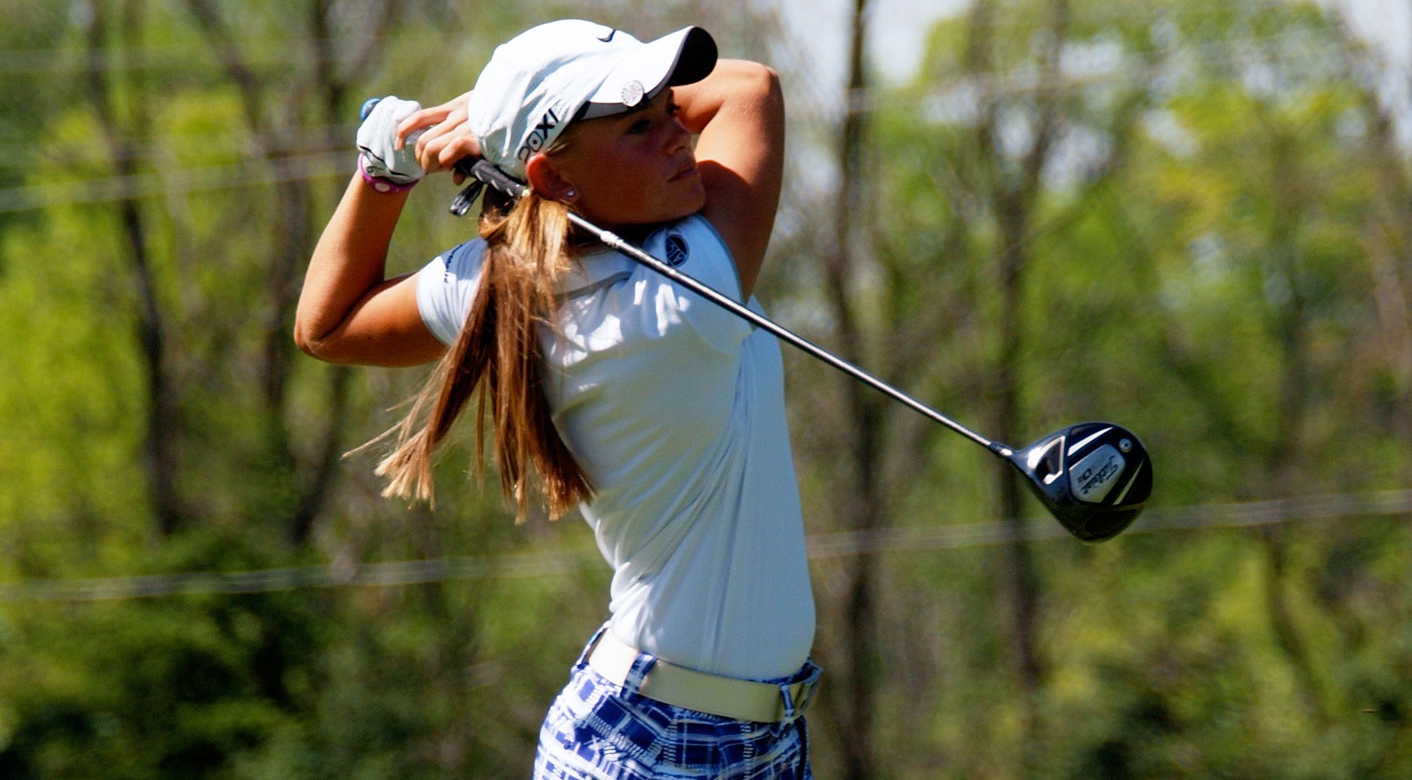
683 57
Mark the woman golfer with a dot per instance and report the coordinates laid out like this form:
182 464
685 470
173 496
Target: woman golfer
610 388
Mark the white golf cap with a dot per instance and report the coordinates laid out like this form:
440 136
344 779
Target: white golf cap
546 77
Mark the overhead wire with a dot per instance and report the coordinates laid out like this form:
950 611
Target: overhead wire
288 51
285 49
267 53
303 138
1033 79
961 89
1011 80
343 574
170 181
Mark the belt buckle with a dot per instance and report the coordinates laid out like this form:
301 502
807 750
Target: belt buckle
806 694
807 687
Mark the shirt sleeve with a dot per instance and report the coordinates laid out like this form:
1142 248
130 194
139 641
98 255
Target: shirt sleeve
446 286
693 247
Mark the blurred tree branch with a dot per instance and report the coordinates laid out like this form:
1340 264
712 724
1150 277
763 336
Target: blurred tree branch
162 423
274 134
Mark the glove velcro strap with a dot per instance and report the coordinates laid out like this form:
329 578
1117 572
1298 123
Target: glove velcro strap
379 183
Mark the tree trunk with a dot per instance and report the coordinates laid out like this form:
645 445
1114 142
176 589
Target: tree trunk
161 424
861 504
1013 190
292 207
1283 456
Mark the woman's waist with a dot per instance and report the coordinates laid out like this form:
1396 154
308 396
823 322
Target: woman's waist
763 636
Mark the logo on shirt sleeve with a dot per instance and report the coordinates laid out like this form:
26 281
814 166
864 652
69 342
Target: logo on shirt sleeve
677 251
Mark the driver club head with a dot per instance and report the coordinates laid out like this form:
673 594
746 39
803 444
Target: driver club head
1094 477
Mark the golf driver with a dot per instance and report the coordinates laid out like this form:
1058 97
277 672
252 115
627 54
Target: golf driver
1094 477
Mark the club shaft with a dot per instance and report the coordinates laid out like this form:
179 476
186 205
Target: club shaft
490 175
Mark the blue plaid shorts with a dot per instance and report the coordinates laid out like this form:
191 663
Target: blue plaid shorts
596 730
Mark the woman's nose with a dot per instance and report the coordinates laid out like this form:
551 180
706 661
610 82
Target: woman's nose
677 135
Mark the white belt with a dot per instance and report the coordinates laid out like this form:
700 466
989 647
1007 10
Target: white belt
728 697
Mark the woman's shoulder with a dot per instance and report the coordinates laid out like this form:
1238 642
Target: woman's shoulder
694 229
446 286
462 261
691 245
694 246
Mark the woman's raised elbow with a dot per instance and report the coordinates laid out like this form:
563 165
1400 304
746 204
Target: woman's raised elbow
308 342
318 339
757 80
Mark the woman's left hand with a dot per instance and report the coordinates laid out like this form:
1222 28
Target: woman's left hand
446 139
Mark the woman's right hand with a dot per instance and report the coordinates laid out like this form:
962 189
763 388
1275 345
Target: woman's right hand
447 137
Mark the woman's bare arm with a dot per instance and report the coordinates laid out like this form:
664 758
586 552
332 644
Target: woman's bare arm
348 312
738 112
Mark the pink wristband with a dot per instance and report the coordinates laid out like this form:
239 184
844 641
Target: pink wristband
380 184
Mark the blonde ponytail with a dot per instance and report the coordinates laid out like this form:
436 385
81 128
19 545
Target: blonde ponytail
497 353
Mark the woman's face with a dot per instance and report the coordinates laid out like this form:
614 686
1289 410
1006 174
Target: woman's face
635 168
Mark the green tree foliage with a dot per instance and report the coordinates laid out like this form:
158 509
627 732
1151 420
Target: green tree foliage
1210 245
1197 266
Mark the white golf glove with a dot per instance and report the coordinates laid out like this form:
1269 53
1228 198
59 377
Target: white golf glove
377 157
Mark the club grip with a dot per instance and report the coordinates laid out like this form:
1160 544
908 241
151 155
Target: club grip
482 170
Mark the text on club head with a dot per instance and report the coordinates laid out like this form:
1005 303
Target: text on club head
1092 477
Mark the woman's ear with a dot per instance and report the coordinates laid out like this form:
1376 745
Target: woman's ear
545 179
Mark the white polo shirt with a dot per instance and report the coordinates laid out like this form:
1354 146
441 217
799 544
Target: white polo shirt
675 408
